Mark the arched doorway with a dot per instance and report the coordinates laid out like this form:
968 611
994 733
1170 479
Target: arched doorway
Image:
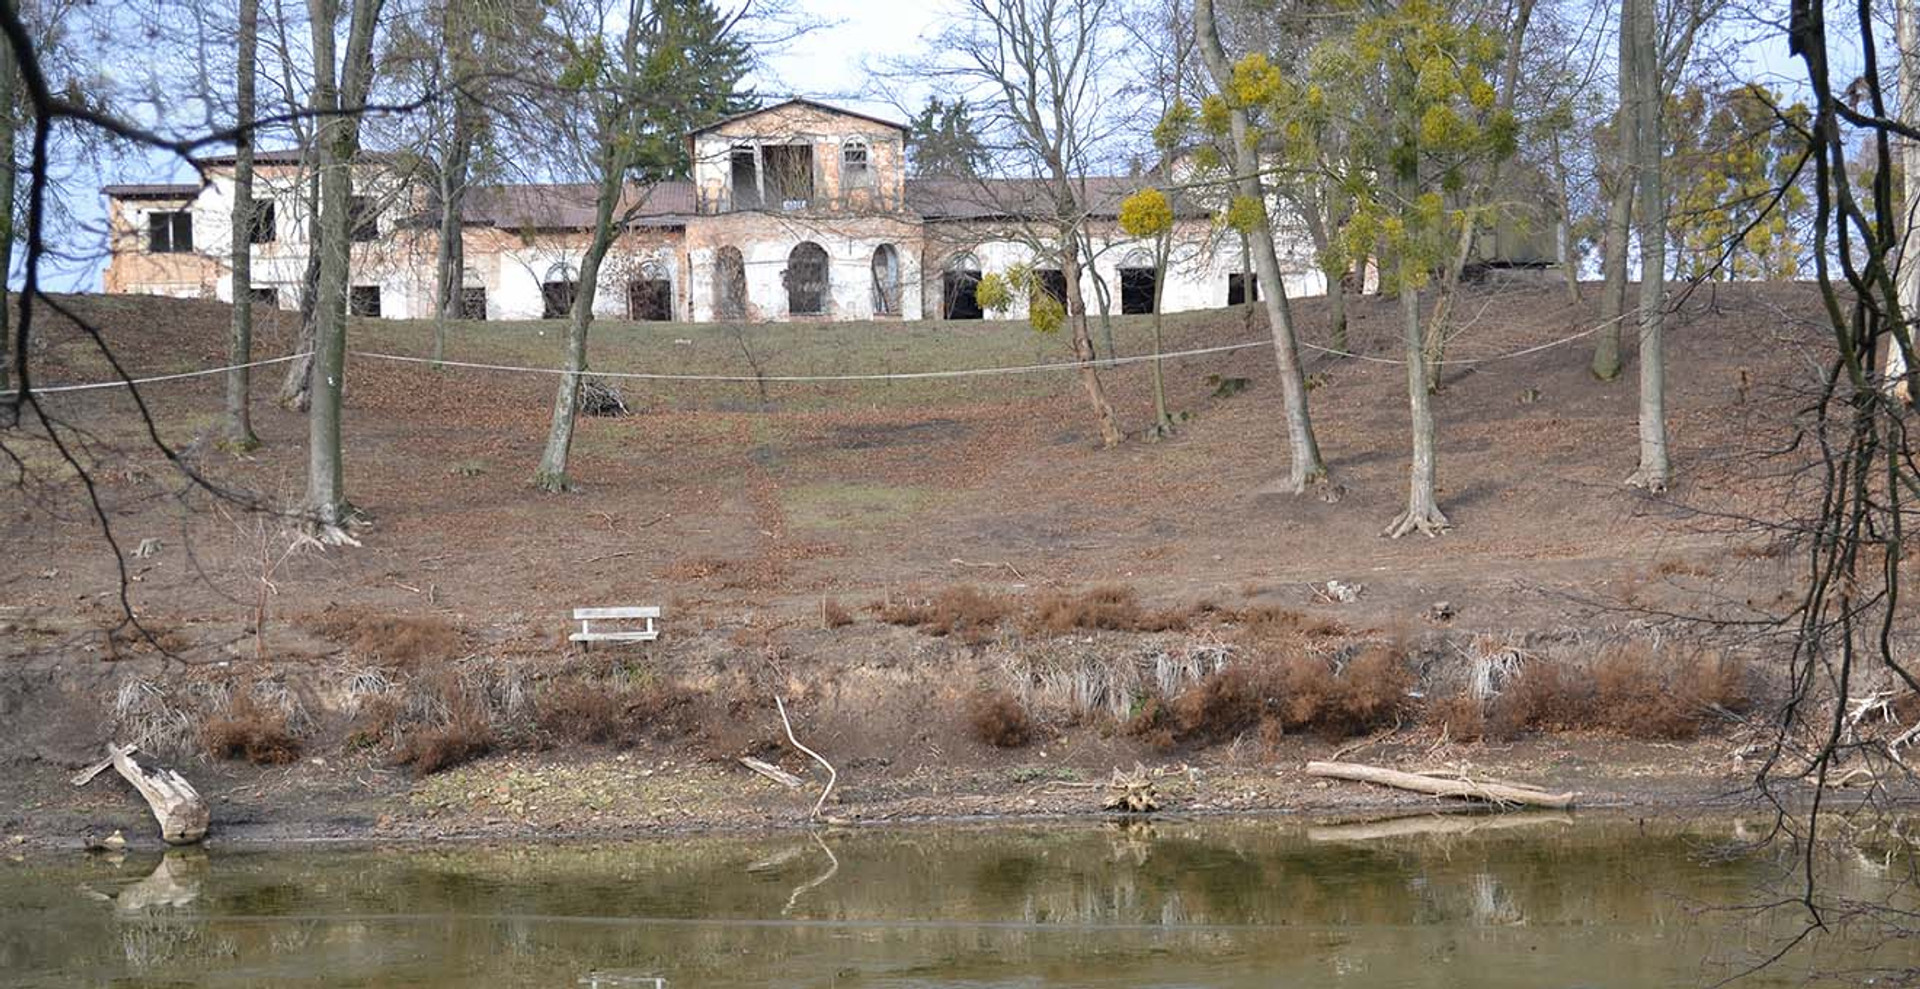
729 284
650 294
557 290
807 279
886 281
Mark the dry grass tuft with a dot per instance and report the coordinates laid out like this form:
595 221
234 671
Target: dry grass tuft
1634 689
1108 607
833 614
252 731
397 640
464 733
997 718
1298 693
963 611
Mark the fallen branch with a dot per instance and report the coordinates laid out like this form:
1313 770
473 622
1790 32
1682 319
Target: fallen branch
833 775
1496 793
989 566
772 772
1434 825
85 776
175 803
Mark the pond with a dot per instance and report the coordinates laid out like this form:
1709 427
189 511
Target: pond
1519 900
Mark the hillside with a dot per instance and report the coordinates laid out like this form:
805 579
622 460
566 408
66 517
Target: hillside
790 529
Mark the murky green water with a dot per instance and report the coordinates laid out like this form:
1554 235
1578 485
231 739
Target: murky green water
1513 902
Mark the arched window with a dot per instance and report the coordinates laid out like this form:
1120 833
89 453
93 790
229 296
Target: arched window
886 281
807 279
729 284
856 171
557 290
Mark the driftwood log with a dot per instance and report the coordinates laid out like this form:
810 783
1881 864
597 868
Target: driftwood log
1499 793
176 804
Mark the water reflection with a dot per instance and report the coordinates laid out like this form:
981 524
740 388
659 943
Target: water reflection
1515 900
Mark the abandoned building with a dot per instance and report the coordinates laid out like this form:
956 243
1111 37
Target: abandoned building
795 211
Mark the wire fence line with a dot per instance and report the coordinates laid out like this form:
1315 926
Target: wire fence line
973 372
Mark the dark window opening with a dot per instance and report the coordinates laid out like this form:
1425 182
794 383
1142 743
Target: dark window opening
746 179
957 298
650 300
364 217
806 279
886 281
1238 285
262 227
730 284
556 298
1053 281
264 296
1136 290
473 302
789 174
170 232
364 300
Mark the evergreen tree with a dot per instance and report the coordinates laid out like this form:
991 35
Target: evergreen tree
941 142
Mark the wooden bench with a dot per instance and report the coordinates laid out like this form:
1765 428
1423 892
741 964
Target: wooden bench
587 616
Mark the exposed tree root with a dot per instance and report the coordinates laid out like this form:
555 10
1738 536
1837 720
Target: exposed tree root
553 482
1430 522
1650 481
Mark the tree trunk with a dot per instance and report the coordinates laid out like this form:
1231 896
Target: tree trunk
1423 507
1306 467
1083 341
1613 257
552 473
239 425
1654 471
9 95
1162 419
1569 254
338 140
296 391
450 265
1899 375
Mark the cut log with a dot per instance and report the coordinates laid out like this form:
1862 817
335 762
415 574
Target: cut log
1494 793
772 772
176 804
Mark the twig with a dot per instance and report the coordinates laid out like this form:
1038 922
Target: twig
833 775
989 566
609 556
772 772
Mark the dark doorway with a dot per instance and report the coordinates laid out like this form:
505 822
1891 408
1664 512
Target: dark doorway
729 284
957 298
1238 284
265 296
556 298
746 178
807 279
364 300
1053 282
473 302
1136 290
650 300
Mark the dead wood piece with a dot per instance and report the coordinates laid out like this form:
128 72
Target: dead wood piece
175 803
1131 793
1491 792
1434 825
85 776
772 772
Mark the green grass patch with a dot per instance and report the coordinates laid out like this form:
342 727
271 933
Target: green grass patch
843 506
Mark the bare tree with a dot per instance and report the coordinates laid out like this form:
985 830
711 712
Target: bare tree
1305 466
340 85
1035 67
239 422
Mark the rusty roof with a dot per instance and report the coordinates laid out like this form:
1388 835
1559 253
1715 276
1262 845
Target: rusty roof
1000 199
571 206
153 190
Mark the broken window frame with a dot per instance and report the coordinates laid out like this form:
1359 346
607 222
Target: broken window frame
1238 284
473 303
856 164
1132 302
170 231
788 169
363 216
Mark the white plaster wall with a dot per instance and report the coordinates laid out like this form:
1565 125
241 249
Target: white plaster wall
513 286
849 277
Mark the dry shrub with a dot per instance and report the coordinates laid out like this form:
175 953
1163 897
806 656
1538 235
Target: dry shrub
997 718
833 614
1270 623
577 710
965 612
376 721
1299 693
1108 607
1634 689
463 735
1463 716
394 639
252 731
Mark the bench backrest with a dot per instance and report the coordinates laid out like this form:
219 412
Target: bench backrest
582 614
